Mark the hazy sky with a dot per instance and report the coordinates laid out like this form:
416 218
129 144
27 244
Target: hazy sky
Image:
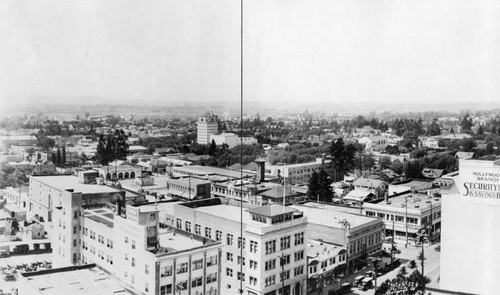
295 50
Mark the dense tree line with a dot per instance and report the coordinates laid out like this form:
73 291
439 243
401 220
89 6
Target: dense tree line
11 176
112 146
319 187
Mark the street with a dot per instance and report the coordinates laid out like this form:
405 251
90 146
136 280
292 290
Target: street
431 268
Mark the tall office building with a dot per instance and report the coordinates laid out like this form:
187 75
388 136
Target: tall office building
127 242
208 124
470 232
273 244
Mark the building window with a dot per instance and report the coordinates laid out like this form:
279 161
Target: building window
212 260
218 235
230 239
253 246
126 238
240 243
196 282
253 280
133 261
208 232
179 223
285 242
284 260
211 278
197 229
229 256
270 246
188 226
197 264
270 264
229 272
181 286
166 289
253 264
182 267
133 244
270 281
241 260
299 255
298 271
285 275
146 287
146 269
166 271
299 239
241 276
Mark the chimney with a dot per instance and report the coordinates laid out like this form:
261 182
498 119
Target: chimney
260 169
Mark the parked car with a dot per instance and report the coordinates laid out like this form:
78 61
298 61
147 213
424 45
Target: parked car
358 281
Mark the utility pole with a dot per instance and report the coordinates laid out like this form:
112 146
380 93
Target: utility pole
393 236
406 220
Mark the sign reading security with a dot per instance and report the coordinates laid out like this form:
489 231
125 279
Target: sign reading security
482 184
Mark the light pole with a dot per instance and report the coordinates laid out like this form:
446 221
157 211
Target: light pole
406 220
423 235
430 227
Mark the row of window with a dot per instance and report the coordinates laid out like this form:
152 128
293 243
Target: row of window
218 235
183 267
270 246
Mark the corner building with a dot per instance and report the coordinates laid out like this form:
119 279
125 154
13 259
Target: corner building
470 233
130 246
273 242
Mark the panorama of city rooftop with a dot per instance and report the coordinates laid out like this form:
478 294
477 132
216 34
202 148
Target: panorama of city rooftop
342 196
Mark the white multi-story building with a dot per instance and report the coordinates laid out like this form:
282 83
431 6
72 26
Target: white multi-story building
130 246
208 124
267 246
300 173
48 192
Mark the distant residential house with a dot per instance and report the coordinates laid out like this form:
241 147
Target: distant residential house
276 195
137 149
357 197
374 143
165 150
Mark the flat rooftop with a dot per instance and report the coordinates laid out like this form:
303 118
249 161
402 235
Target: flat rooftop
75 282
332 218
207 170
178 240
231 213
66 182
102 215
421 200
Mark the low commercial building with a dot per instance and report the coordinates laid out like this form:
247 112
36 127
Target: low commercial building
189 188
406 215
324 259
119 169
409 185
360 235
